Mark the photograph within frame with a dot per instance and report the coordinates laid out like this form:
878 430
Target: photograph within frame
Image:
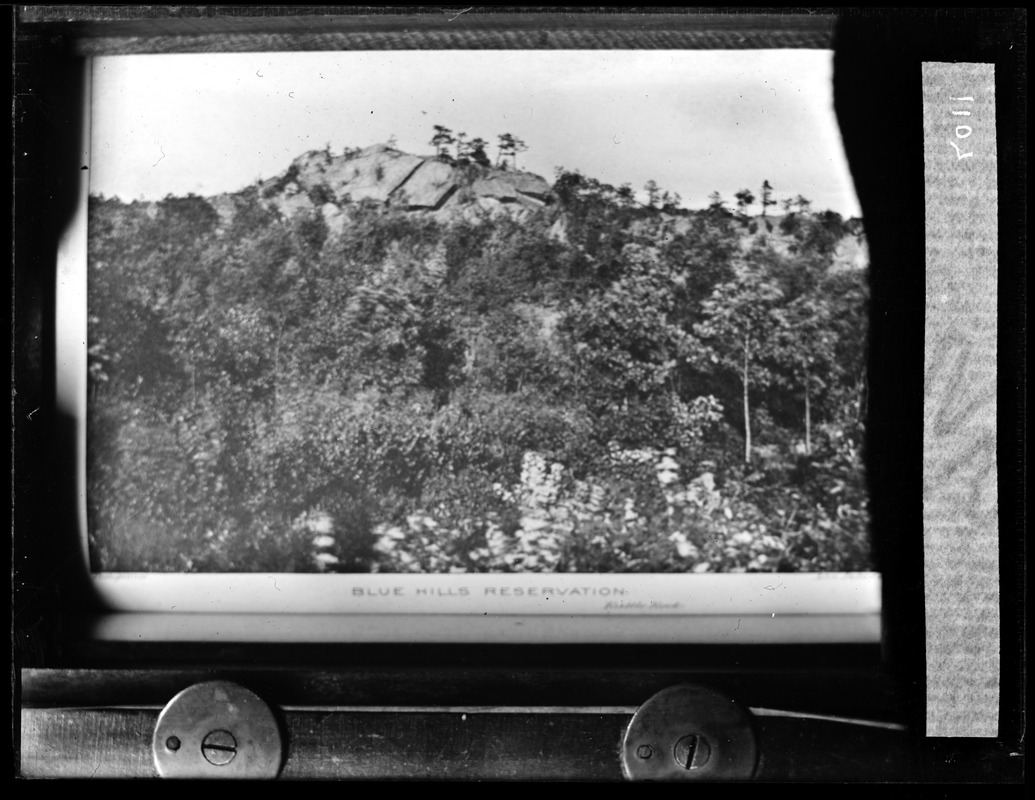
877 52
593 273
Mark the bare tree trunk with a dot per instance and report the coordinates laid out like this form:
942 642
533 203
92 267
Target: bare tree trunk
747 416
808 416
276 367
471 355
861 396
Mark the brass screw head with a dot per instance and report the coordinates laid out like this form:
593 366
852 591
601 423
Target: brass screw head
219 748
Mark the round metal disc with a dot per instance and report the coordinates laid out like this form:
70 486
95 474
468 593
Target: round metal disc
689 732
217 730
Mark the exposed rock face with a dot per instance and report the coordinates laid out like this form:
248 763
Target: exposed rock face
428 186
381 174
373 174
512 186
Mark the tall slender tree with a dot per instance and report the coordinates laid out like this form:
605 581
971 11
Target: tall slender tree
509 146
476 150
739 320
804 348
441 141
653 193
462 146
767 197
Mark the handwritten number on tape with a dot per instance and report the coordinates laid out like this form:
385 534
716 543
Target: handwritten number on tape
962 131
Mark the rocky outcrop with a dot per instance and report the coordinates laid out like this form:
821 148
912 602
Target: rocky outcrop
428 186
512 187
453 191
373 174
384 175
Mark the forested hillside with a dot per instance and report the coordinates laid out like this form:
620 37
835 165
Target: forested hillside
324 372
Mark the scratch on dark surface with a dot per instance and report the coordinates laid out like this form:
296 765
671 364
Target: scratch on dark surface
458 13
127 518
29 416
163 156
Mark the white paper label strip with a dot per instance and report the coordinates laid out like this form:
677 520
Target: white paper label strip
961 538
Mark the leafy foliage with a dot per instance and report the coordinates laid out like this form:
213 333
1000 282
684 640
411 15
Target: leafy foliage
572 392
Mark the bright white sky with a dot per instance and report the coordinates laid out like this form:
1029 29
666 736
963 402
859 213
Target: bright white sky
694 121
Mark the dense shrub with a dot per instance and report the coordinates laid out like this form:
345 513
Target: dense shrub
563 393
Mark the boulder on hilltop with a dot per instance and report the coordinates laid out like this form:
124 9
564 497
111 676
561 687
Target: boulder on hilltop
371 174
382 174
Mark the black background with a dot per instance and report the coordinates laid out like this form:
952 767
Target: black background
878 102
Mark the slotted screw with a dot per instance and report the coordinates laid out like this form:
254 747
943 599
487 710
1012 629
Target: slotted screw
692 751
219 748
